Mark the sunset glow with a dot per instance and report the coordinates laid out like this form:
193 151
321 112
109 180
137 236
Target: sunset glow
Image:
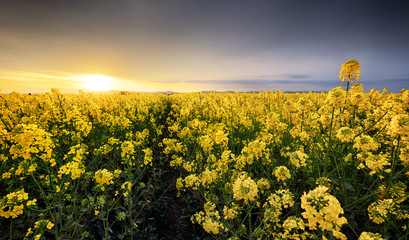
97 82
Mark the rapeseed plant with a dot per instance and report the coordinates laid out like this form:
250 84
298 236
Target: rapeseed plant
322 211
245 188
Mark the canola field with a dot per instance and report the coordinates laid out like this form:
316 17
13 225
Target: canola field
270 165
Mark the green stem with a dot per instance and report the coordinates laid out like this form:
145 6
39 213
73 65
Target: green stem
42 193
346 99
337 167
360 200
53 213
249 216
129 200
373 124
348 85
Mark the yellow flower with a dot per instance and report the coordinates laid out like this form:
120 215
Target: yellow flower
77 152
73 168
350 71
378 211
399 126
365 143
282 173
370 236
2 157
31 202
29 231
12 205
398 192
323 181
208 176
50 225
322 210
32 168
179 184
292 224
211 226
148 156
127 187
192 181
230 213
128 152
345 134
209 219
275 203
103 177
336 98
55 91
245 188
263 184
376 163
206 143
298 159
357 95
6 175
117 172
178 161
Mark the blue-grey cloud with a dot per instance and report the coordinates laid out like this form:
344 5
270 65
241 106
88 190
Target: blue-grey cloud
393 85
284 76
261 82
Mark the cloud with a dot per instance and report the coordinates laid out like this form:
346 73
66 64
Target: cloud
285 76
258 85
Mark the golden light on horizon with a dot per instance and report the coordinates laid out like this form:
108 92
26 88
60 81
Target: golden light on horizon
96 82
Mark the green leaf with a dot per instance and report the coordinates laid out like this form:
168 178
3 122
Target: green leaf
349 186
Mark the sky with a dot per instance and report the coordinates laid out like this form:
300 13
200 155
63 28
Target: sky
201 45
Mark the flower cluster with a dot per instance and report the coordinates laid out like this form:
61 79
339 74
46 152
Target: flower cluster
74 169
294 228
103 177
379 211
322 211
282 173
350 71
245 188
370 236
12 205
209 219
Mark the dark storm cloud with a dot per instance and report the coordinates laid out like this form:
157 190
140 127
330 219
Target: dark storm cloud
252 26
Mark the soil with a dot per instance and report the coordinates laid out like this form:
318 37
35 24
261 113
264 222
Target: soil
175 228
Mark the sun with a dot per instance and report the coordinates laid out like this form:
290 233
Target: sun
97 82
